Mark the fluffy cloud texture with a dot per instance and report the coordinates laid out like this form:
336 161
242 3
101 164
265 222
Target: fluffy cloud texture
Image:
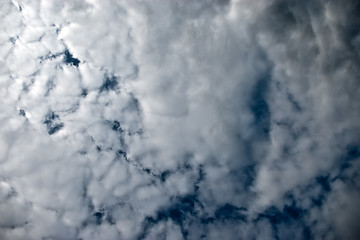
179 119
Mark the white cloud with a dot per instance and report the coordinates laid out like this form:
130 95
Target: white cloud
162 119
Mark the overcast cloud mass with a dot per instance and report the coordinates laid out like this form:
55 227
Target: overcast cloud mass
211 119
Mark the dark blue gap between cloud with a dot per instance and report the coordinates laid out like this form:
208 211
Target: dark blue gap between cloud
52 123
291 216
69 59
260 108
109 84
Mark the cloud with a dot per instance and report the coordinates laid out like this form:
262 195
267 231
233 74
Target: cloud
179 120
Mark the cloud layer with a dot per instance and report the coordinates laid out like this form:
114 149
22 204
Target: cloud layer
179 119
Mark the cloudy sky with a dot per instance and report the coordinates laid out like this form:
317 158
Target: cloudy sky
209 119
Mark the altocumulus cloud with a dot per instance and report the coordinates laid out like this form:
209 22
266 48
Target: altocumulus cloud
179 119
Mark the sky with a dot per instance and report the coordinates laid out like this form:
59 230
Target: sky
209 119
